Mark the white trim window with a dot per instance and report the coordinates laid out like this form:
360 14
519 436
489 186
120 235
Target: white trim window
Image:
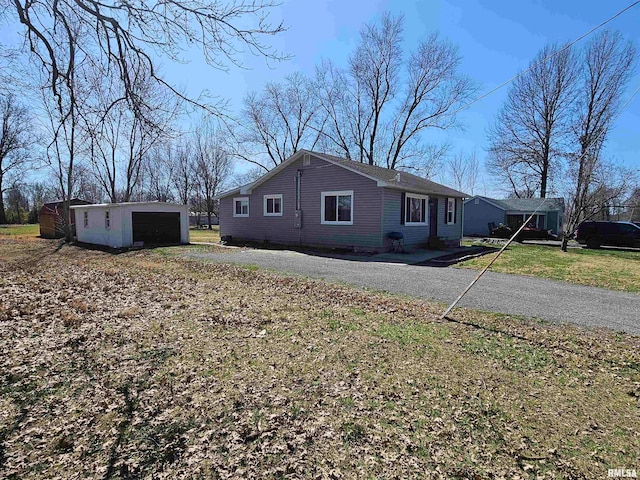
85 217
107 219
336 208
450 217
272 205
415 212
241 207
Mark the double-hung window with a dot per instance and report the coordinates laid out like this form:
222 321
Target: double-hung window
450 217
85 217
415 212
273 205
241 207
337 208
107 219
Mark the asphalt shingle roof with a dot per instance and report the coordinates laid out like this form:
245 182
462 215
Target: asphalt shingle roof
529 204
395 178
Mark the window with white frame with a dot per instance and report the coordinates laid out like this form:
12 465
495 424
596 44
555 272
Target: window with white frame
107 219
337 208
272 205
241 207
415 212
451 211
85 218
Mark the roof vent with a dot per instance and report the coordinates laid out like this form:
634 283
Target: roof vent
306 160
398 177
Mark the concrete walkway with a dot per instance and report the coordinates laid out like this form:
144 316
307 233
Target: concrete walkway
495 292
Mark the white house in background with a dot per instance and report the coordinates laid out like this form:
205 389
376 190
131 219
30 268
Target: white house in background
118 225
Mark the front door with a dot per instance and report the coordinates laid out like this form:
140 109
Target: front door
433 217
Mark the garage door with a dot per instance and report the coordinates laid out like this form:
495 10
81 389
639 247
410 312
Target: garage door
156 227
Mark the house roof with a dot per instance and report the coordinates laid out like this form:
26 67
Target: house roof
51 208
524 204
123 204
384 177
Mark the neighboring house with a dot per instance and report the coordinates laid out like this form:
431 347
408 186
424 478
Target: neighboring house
315 199
479 212
120 225
51 219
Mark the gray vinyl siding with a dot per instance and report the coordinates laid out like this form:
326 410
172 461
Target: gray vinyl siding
452 232
478 217
414 236
417 236
318 177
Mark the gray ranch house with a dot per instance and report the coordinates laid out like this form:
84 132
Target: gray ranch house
479 212
315 199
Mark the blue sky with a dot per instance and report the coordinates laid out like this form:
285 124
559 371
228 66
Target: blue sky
496 38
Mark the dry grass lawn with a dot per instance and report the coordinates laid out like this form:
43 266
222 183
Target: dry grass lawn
612 269
205 235
143 365
20 231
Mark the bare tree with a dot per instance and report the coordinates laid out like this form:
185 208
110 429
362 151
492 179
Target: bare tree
527 137
247 177
126 37
184 169
609 62
123 39
278 121
375 68
433 94
463 170
157 173
39 193
64 115
16 136
516 179
212 166
119 139
17 203
378 109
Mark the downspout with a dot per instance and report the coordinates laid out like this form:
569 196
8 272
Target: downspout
299 202
462 221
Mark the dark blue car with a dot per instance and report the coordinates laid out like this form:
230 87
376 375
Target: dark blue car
618 234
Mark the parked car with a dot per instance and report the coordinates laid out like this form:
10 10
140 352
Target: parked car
619 234
527 233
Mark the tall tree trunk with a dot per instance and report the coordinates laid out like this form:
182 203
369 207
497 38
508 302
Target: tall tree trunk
3 215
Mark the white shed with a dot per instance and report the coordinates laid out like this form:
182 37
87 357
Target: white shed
120 225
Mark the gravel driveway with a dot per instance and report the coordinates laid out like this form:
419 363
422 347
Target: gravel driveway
496 292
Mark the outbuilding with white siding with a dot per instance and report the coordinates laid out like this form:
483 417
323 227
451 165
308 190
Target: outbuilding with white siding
119 225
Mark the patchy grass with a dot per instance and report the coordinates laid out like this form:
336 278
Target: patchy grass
21 231
147 365
616 270
205 235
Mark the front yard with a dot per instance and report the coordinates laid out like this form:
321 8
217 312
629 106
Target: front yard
613 269
146 365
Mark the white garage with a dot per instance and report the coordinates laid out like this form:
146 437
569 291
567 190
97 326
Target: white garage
120 225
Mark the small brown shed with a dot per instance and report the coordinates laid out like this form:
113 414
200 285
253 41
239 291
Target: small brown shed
51 220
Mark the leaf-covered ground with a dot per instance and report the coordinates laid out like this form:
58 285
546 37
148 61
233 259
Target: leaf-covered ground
144 365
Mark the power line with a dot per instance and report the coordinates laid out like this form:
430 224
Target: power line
544 60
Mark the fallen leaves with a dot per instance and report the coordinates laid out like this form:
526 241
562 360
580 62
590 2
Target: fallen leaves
143 365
